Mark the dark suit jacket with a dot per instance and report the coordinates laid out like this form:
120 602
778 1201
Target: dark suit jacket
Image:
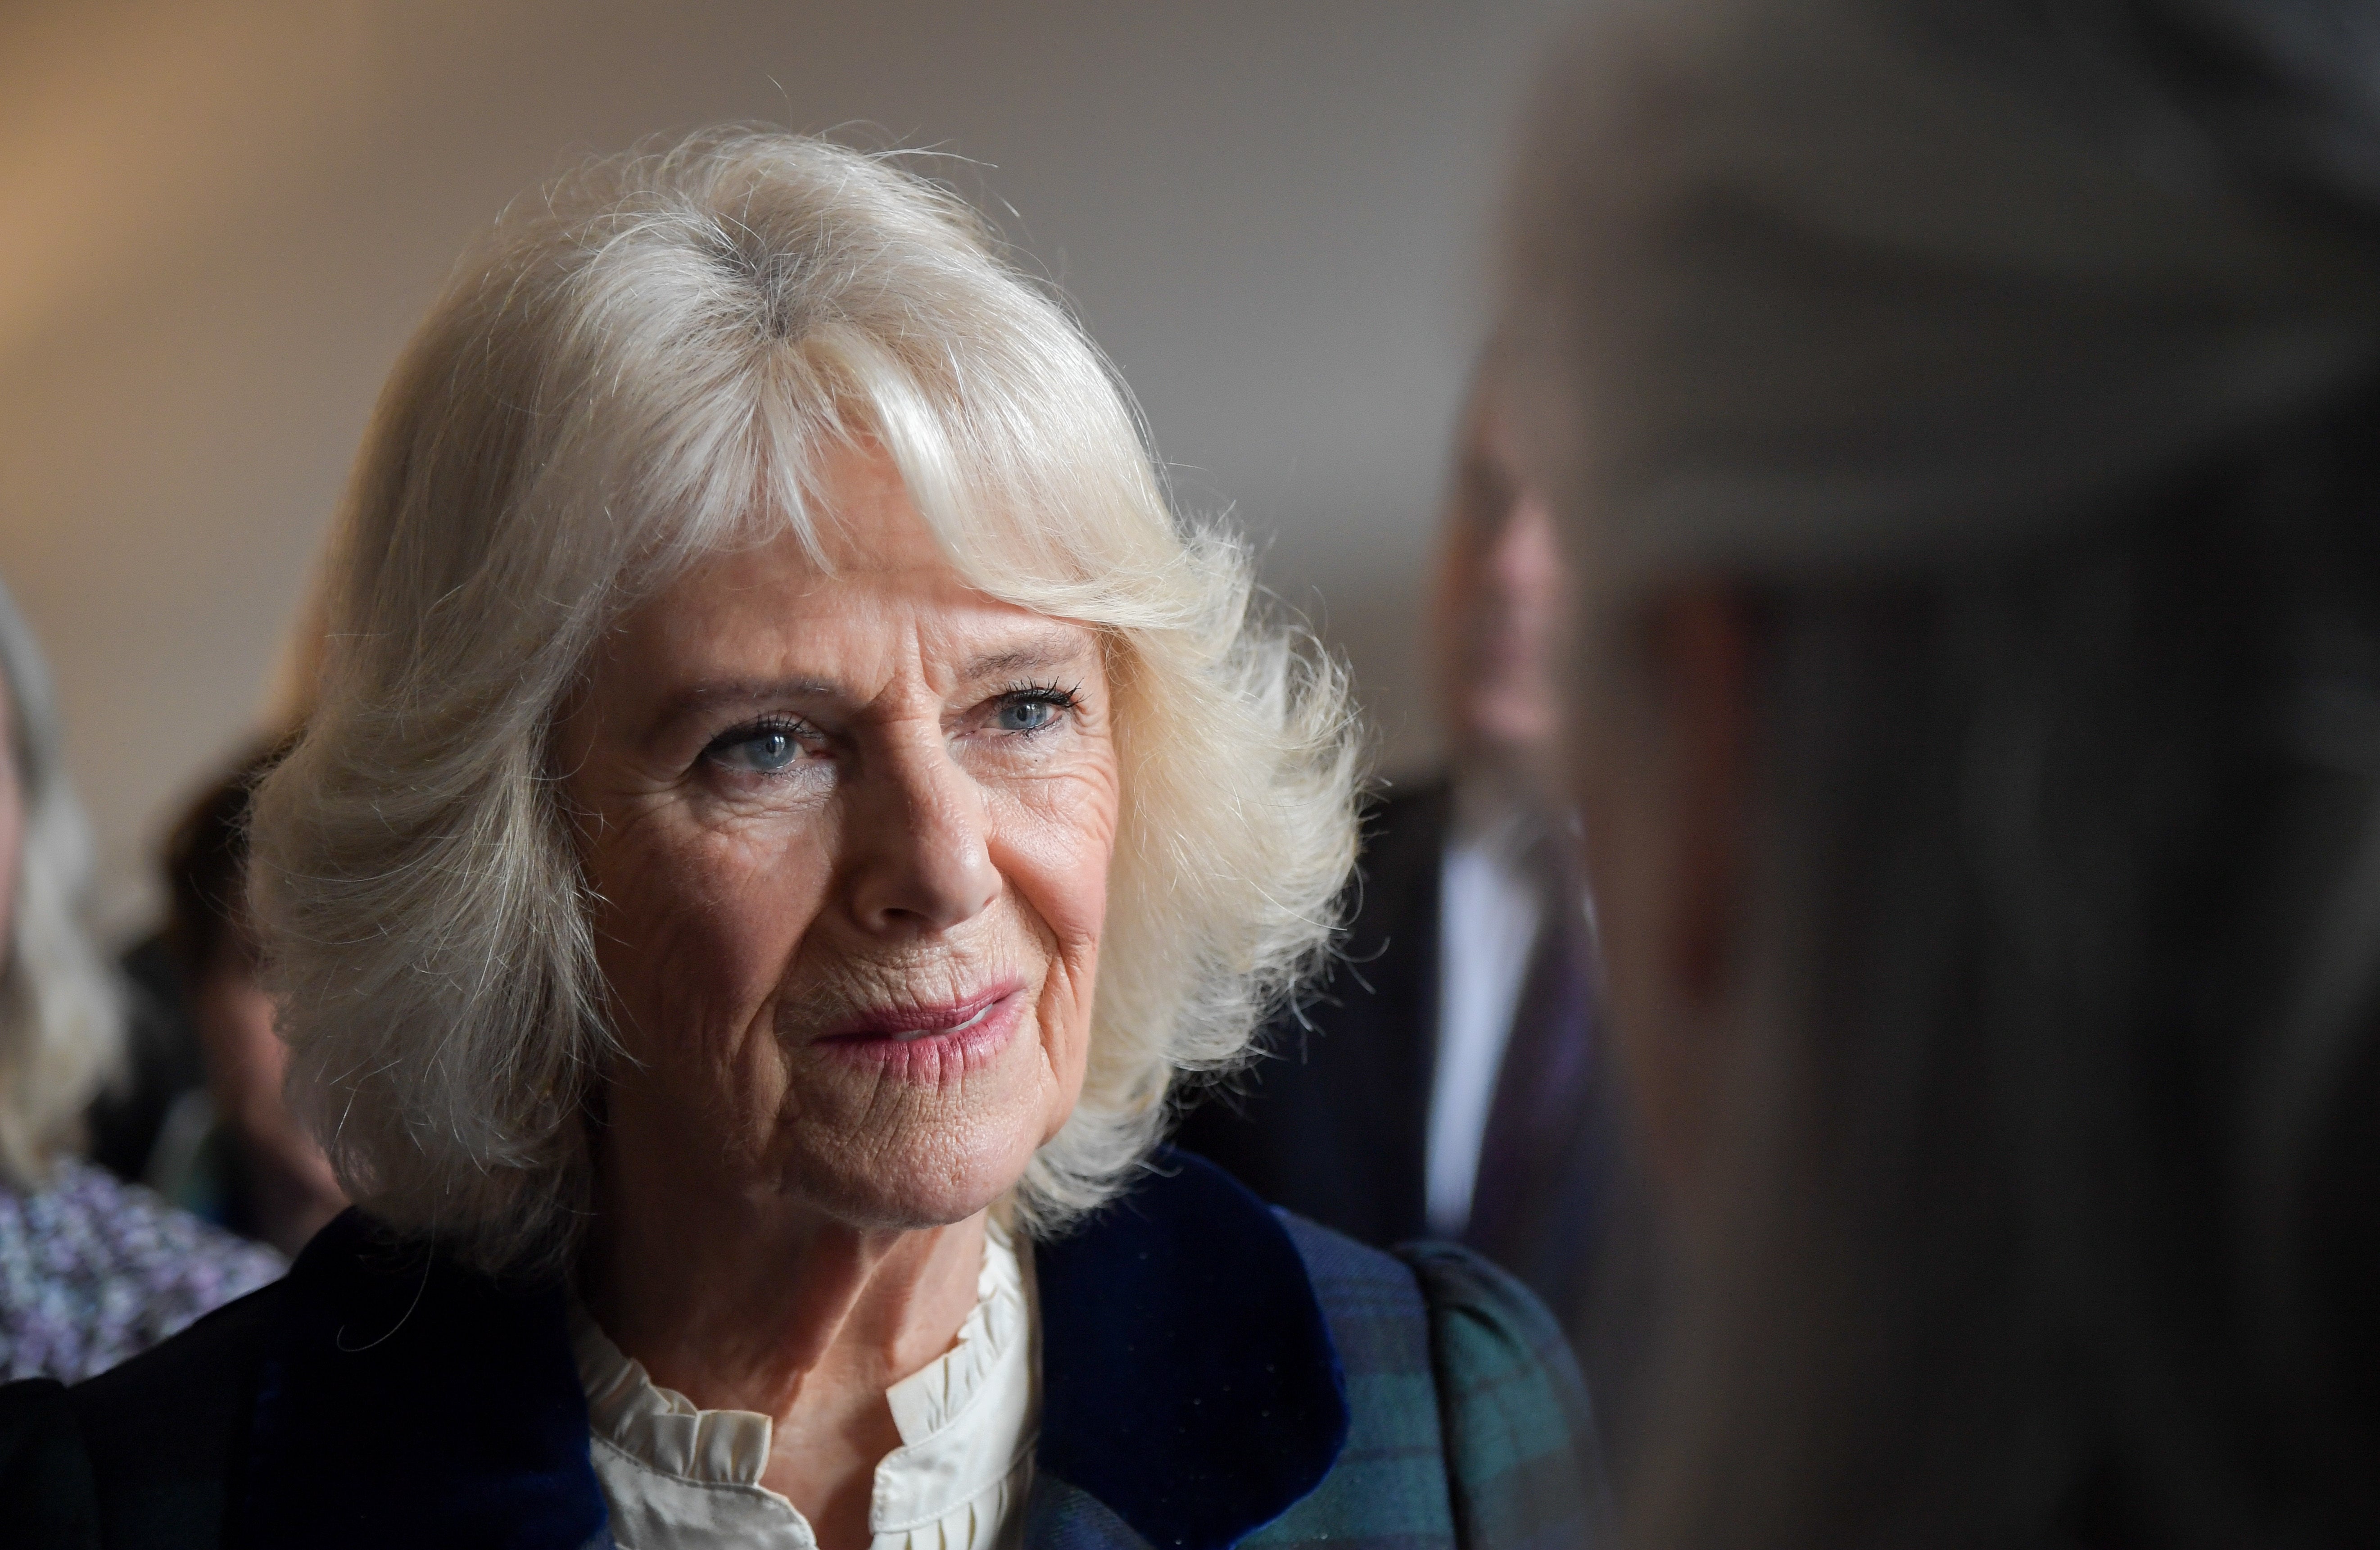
1332 1123
1214 1373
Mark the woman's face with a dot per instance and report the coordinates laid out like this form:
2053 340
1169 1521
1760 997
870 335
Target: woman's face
850 836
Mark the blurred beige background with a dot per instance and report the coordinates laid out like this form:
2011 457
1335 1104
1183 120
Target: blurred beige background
217 222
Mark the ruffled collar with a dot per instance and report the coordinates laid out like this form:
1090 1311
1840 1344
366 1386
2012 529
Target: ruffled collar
966 1421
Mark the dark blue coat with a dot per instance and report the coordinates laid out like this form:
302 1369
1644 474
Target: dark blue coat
1214 1373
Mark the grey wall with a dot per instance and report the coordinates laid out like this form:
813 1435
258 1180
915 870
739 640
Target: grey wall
217 222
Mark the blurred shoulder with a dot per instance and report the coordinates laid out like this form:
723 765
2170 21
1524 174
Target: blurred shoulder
1467 1417
93 1270
1482 1337
1523 1457
163 1433
140 1457
46 1487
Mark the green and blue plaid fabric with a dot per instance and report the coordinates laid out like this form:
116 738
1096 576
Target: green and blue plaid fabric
1469 1426
1523 1461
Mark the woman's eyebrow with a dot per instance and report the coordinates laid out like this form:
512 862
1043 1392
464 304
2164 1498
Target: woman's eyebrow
1038 656
712 694
1048 654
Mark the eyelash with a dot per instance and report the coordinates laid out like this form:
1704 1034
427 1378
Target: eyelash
1060 703
1044 694
1065 701
789 728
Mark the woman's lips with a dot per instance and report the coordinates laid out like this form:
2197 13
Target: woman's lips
930 1043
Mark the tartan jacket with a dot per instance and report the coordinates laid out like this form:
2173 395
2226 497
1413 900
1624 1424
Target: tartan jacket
1215 1374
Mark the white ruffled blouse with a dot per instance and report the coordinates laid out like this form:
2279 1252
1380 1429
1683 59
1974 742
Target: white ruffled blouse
678 1478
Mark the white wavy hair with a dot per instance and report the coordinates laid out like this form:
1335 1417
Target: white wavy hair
61 1009
639 366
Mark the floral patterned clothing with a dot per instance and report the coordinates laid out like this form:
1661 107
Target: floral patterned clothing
93 1270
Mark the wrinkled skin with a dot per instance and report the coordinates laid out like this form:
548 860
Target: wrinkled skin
827 816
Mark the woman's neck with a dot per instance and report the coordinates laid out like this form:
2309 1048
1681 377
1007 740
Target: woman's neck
765 1306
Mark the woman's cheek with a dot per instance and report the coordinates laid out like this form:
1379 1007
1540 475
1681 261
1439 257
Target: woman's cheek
1084 913
1066 1034
714 919
1059 836
1059 853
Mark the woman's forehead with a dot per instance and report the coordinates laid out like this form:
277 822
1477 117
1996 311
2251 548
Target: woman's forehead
773 616
862 515
852 517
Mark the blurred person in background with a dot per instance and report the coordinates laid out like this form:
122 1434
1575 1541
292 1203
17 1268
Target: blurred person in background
231 1150
1966 425
157 1122
1445 1084
92 1270
162 1063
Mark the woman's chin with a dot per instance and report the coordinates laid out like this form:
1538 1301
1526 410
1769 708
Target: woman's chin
911 1195
917 1165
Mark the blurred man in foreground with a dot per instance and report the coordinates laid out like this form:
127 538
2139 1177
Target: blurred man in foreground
1966 423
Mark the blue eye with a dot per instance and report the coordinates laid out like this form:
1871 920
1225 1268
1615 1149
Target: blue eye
762 750
1026 713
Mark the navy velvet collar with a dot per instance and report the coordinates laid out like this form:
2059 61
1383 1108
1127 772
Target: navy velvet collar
405 1401
1189 1382
1190 1386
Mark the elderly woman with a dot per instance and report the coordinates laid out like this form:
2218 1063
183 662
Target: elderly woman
786 804
1967 420
92 1270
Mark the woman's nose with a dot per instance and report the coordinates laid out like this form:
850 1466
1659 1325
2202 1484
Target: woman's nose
919 842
